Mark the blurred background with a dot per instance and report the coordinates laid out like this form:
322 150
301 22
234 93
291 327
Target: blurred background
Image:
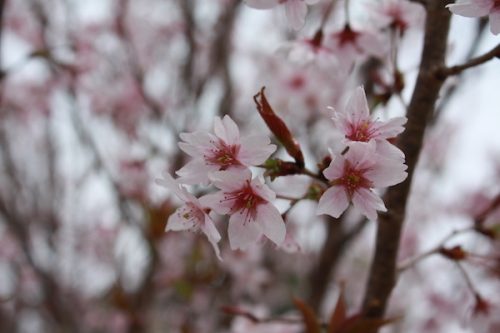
93 97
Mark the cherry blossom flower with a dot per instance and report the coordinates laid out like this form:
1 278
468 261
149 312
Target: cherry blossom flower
354 175
355 123
478 8
222 151
193 215
296 10
397 14
247 200
350 45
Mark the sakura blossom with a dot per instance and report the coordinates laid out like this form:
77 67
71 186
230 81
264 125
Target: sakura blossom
356 125
353 177
223 151
248 202
350 45
296 10
397 14
479 8
193 215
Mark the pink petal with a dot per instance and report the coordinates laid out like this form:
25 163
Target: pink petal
227 130
231 180
368 203
495 22
357 106
255 150
261 4
263 190
390 128
200 141
333 202
362 154
176 221
389 151
169 182
335 169
387 172
212 234
468 9
241 232
194 172
271 222
296 11
217 202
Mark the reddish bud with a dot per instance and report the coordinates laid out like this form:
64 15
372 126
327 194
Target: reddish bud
455 253
278 128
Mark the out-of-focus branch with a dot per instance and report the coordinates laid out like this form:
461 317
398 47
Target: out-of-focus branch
222 55
382 276
337 240
454 70
482 26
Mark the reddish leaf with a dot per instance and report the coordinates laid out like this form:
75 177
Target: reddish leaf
360 324
339 314
278 128
455 253
310 320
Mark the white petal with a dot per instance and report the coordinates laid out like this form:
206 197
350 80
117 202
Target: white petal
194 172
241 232
261 4
391 128
357 106
296 11
212 234
169 182
216 202
368 203
271 222
335 169
199 140
227 130
389 151
333 202
387 172
262 190
232 179
468 9
255 150
177 221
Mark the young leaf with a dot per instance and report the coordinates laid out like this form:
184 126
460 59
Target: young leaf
278 128
310 320
339 315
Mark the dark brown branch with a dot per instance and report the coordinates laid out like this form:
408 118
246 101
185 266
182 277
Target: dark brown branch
454 70
336 242
382 276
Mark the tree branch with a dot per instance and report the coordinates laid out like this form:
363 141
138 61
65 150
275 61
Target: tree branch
382 276
454 70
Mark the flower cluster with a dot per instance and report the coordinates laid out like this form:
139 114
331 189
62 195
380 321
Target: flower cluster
361 161
364 160
223 160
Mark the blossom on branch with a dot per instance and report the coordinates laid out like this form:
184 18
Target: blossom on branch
356 124
353 177
247 200
296 10
193 215
223 151
478 8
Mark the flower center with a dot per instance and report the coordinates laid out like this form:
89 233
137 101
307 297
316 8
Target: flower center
352 179
245 201
360 132
223 155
